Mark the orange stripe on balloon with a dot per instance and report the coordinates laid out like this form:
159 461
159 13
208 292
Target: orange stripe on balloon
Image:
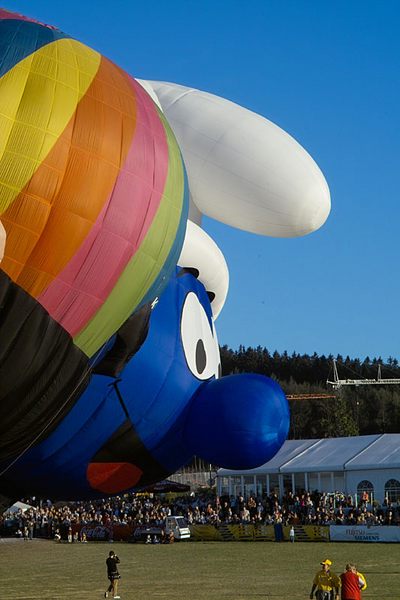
51 218
26 218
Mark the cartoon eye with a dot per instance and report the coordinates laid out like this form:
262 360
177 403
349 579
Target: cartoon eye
199 344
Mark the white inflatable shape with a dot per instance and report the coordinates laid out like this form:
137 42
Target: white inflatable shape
2 241
199 251
146 85
244 170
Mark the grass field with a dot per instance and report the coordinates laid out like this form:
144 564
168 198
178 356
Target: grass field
189 570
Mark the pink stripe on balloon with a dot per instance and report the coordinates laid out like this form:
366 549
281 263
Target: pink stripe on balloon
84 284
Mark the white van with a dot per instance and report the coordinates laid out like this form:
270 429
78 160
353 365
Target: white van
178 526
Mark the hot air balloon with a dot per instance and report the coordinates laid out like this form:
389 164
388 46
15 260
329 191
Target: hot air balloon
93 203
110 357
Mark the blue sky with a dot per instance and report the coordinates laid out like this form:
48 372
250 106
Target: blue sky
329 74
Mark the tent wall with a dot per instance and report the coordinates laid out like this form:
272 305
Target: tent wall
308 465
378 478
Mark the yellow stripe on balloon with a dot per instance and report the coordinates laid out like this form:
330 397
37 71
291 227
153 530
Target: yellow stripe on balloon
38 97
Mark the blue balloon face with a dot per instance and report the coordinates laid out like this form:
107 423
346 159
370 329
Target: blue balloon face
180 354
167 405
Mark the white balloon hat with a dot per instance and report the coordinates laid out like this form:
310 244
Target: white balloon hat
243 170
200 252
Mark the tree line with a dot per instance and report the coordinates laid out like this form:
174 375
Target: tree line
360 410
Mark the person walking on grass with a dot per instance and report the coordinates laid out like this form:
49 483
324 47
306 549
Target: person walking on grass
326 584
113 575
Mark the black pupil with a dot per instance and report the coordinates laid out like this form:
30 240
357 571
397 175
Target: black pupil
201 357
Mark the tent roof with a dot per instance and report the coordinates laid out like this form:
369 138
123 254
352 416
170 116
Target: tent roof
165 486
384 453
289 450
331 454
17 506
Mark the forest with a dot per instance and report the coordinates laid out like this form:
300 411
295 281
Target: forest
354 410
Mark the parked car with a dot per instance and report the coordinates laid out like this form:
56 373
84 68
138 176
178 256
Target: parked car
160 533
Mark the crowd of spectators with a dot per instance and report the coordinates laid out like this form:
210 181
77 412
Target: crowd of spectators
47 519
303 509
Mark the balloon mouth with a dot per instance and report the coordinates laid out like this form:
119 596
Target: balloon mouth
113 477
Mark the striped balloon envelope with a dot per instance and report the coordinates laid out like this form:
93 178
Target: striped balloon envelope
92 184
93 210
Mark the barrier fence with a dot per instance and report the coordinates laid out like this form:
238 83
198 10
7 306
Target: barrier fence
260 533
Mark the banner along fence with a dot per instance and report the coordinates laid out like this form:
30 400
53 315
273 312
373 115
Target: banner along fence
225 532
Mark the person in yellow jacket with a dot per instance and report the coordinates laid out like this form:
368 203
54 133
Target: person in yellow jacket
326 583
362 580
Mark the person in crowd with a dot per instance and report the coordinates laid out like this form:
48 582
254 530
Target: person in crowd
31 526
326 584
112 574
291 534
278 526
352 583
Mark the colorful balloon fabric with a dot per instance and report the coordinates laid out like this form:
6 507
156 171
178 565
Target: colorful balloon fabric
91 182
109 360
93 199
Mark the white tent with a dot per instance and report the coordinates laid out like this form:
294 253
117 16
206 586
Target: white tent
352 465
18 506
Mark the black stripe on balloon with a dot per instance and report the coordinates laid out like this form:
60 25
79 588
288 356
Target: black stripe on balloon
125 446
42 372
129 339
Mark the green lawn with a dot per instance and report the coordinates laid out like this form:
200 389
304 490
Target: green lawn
189 570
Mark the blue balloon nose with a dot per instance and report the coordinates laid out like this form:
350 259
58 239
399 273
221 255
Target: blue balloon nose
238 422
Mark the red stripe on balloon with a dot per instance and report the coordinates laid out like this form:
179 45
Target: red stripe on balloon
7 14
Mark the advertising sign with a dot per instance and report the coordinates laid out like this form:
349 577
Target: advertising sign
363 533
